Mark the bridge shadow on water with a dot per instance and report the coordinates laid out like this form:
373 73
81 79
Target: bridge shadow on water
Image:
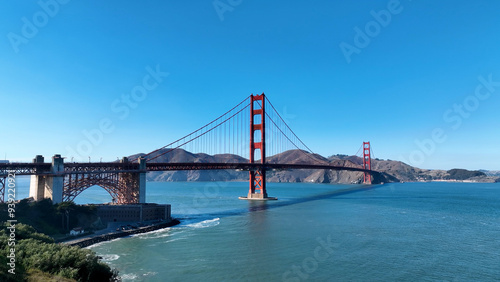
258 206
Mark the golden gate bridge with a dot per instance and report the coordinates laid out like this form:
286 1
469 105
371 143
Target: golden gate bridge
251 136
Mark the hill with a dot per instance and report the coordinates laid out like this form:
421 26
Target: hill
182 156
391 171
491 172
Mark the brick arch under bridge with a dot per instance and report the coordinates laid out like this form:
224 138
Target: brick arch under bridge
122 187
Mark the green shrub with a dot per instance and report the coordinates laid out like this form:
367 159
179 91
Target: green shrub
37 253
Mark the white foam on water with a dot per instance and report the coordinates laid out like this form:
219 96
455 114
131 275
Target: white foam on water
129 276
151 273
102 243
110 257
205 223
162 235
176 239
164 232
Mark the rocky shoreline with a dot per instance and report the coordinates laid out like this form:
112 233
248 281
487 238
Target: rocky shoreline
85 242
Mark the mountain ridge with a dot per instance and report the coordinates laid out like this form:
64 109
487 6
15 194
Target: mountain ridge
391 170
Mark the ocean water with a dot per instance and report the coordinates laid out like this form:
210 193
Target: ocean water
316 232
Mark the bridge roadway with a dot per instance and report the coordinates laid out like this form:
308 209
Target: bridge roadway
116 167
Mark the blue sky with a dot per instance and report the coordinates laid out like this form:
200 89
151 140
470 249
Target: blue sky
407 81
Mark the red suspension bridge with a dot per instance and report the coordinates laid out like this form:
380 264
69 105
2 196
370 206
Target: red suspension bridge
251 136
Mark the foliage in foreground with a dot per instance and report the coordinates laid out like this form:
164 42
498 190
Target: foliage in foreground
37 256
49 218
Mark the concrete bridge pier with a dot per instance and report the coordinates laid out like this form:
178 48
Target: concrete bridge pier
142 180
48 184
37 182
55 182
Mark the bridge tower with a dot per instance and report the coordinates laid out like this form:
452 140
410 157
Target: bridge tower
48 184
367 162
257 189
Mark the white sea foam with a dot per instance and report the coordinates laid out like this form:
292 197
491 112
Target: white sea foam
176 239
129 276
205 223
102 243
154 234
110 257
162 235
151 273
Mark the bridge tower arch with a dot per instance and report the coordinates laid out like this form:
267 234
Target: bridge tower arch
123 187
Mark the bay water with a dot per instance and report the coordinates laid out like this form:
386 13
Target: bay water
316 232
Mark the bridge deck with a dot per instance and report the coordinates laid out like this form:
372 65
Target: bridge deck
115 167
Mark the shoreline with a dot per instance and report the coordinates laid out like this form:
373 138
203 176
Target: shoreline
94 239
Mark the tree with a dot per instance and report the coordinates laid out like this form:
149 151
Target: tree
36 254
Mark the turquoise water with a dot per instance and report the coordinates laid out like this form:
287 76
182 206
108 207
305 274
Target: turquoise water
391 232
316 232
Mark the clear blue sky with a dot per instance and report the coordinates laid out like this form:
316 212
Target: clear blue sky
65 67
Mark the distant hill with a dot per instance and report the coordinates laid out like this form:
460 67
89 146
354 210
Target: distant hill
182 156
491 172
392 171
